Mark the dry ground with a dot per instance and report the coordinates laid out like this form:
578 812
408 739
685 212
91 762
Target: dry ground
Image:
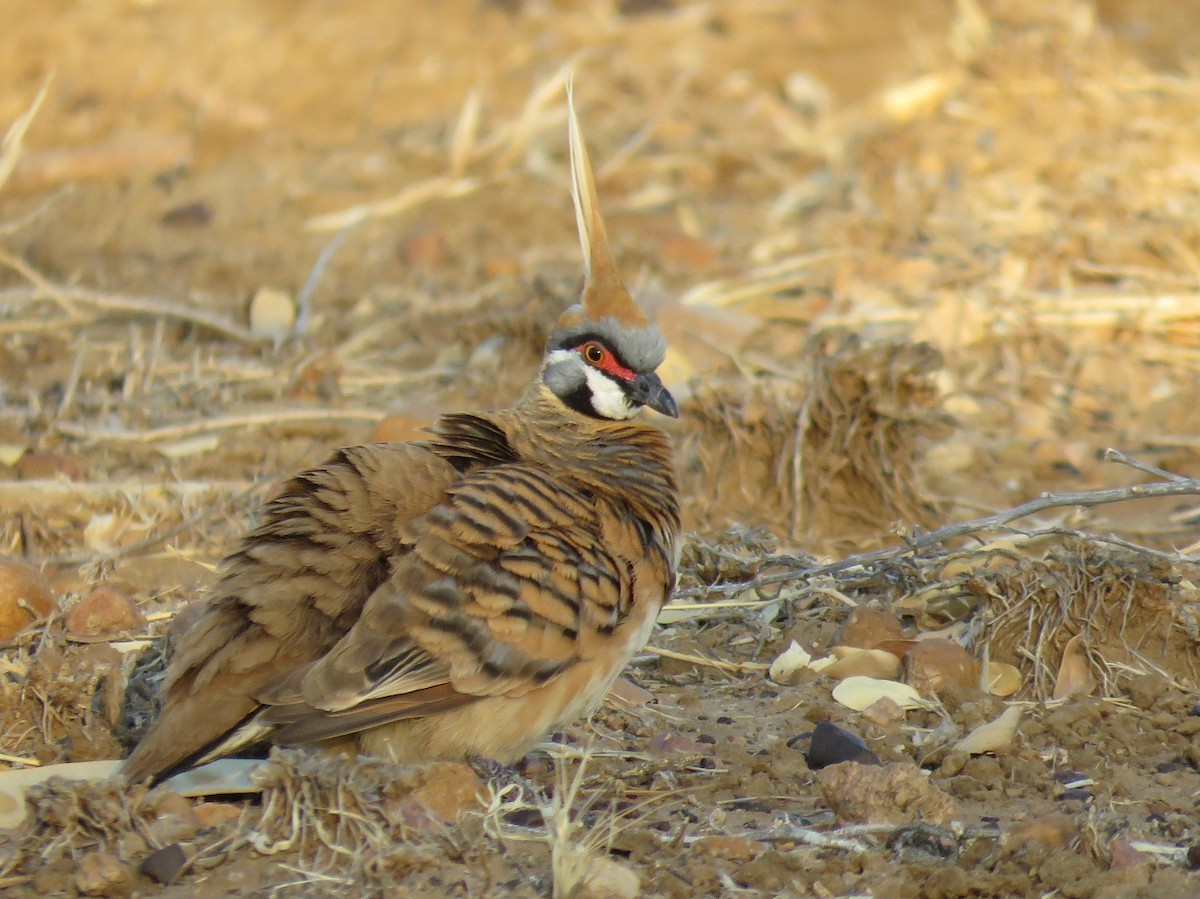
918 263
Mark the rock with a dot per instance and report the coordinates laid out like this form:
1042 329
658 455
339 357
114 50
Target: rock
1122 854
933 666
448 790
106 609
866 627
163 865
1054 831
585 875
102 874
737 848
899 793
1145 690
832 745
883 712
214 814
25 597
175 820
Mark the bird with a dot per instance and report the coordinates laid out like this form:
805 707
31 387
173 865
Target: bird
458 597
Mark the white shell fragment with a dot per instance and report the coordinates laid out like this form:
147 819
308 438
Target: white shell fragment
859 692
272 314
992 736
789 662
218 778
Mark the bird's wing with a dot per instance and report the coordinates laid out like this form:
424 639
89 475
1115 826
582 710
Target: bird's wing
294 586
508 585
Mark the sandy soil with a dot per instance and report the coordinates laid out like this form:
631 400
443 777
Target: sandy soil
917 262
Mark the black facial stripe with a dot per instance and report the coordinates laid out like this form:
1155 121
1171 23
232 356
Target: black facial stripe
580 399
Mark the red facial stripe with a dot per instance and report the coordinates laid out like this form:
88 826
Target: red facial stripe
610 364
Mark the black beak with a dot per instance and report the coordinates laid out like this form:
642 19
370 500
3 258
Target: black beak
648 390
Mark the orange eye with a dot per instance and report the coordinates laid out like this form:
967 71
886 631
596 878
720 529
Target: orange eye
593 353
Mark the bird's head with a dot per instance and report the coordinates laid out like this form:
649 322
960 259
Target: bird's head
602 356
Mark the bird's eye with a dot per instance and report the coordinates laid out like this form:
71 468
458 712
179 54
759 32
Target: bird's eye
593 353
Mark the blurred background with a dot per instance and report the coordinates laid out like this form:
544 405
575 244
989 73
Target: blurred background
917 262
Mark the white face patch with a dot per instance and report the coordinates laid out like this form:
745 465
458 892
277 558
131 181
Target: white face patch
608 399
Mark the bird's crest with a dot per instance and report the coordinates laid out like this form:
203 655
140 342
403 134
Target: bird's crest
604 296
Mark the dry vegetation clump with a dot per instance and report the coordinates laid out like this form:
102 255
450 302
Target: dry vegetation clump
1138 613
870 414
834 455
67 819
61 702
350 819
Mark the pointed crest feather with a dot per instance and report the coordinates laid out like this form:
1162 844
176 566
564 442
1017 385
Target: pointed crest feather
604 296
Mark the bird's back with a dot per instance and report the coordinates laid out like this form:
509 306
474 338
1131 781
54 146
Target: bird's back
401 582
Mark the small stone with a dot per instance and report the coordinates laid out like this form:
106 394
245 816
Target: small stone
1122 854
866 627
933 666
832 745
884 712
1145 690
106 609
899 793
448 790
189 215
175 819
590 876
214 814
101 873
737 848
163 865
1193 856
25 597
1054 831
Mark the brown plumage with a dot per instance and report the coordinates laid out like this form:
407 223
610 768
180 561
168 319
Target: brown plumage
458 596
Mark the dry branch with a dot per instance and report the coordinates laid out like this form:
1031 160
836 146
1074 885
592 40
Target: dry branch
129 305
195 428
1171 485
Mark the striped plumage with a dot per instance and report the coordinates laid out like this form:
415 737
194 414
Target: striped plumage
457 596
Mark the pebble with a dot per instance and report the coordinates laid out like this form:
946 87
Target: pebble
163 865
214 814
106 609
736 848
100 873
899 793
1054 831
832 745
25 597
